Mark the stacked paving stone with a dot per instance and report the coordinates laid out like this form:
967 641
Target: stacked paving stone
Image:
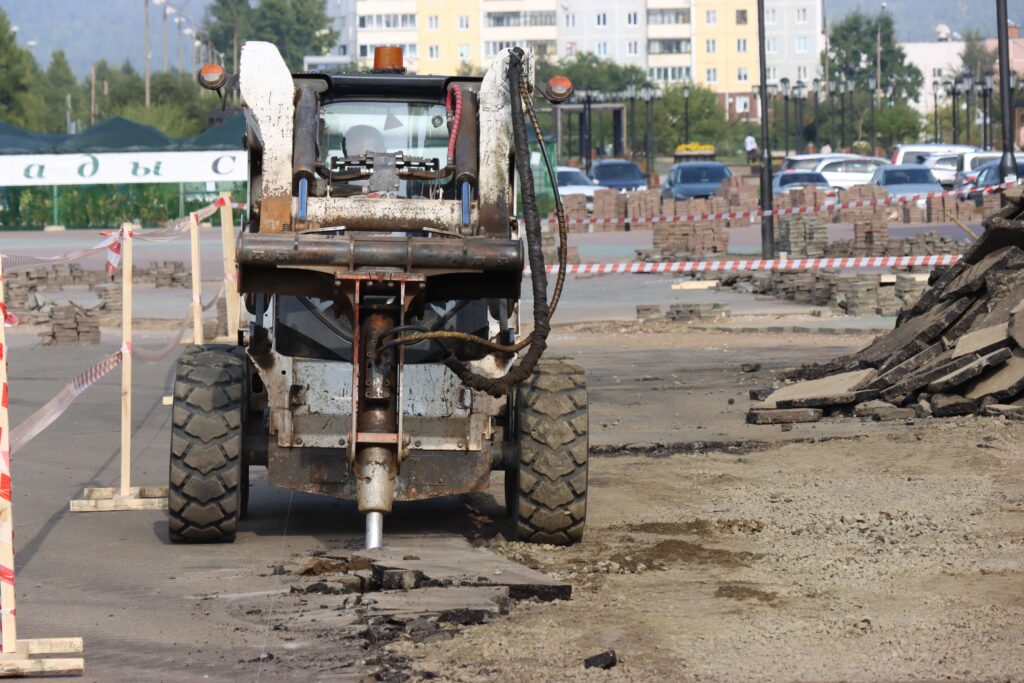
958 350
912 213
549 245
609 204
111 296
871 237
71 325
803 236
19 285
165 274
702 312
643 203
738 194
691 238
865 214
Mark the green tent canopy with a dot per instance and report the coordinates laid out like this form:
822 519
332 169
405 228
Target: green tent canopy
116 135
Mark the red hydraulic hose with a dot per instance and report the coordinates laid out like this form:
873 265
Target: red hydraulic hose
457 91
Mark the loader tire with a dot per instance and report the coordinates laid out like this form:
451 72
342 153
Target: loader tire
207 470
551 480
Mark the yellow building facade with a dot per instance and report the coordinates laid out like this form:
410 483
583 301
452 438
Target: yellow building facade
449 35
725 45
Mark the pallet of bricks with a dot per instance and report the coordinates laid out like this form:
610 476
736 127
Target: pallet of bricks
804 236
739 196
805 197
947 208
692 238
609 204
870 223
642 204
71 325
575 207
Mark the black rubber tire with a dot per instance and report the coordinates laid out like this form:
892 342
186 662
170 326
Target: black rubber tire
206 465
554 446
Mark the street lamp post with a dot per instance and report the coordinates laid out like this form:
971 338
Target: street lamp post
784 84
686 112
1007 167
935 109
842 111
953 90
817 88
767 225
648 97
968 82
872 84
832 87
799 92
631 94
145 4
990 85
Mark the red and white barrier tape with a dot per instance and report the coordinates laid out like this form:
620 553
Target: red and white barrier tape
31 427
794 211
731 265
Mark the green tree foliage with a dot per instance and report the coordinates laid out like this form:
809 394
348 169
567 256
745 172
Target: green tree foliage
227 23
20 103
589 72
57 84
297 27
975 57
852 43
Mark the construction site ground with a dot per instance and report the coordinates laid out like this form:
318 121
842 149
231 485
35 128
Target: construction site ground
715 550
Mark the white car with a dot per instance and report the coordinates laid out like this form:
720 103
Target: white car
811 162
574 181
943 166
846 172
916 154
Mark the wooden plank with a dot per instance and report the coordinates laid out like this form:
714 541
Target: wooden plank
197 282
7 620
167 400
227 245
51 646
126 358
94 493
118 504
31 667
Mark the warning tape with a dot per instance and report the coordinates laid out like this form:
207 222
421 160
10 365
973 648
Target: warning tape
794 211
33 425
732 265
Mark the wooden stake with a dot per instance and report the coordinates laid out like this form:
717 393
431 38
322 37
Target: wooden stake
227 245
10 631
197 282
126 358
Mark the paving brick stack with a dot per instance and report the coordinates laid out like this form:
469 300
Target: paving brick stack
689 239
912 213
643 203
609 204
111 296
803 236
549 245
871 237
18 286
703 312
169 274
909 287
958 350
991 203
72 325
866 213
740 196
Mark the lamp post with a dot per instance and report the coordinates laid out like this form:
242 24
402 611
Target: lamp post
842 111
953 90
755 96
1007 167
784 85
686 112
935 109
799 92
145 4
1014 82
631 94
989 88
968 82
872 84
817 88
767 225
832 87
648 97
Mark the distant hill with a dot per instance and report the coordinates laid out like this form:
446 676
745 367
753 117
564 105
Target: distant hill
90 30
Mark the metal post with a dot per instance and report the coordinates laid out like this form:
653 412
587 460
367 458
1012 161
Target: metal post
145 4
649 138
767 226
588 127
842 115
686 113
955 90
968 81
632 119
832 113
874 129
817 134
935 109
1007 166
164 40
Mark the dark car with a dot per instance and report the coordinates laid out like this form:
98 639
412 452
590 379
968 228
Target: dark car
694 180
988 176
618 174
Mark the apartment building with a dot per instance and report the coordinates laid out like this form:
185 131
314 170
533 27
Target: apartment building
669 41
388 22
726 52
794 32
449 35
507 23
614 30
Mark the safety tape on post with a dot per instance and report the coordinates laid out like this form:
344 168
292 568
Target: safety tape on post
734 265
793 211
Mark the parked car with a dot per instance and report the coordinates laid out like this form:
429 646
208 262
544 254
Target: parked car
917 153
785 181
847 172
811 162
988 176
618 174
694 179
943 166
574 181
968 163
902 180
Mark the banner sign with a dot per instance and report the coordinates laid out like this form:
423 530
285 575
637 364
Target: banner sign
20 170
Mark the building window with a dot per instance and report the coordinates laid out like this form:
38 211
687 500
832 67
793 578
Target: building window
937 72
743 74
668 46
507 19
771 45
773 73
464 22
668 16
802 44
570 19
741 45
541 47
801 15
711 17
409 50
433 23
769 16
464 52
742 104
801 72
633 47
387 21
712 75
434 51
602 19
602 49
570 49
741 17
710 45
632 18
669 74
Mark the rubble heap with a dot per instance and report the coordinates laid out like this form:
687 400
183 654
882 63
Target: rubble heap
958 350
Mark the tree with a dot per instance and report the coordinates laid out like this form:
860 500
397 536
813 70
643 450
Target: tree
975 57
227 23
852 51
58 83
297 27
20 104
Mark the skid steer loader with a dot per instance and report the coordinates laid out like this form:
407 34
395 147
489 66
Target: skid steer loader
381 265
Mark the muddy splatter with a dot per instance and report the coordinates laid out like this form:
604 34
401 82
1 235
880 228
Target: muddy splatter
741 591
675 551
698 527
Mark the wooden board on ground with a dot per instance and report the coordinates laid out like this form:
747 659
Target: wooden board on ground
109 500
29 658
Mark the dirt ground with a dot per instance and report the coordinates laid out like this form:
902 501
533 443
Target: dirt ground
879 552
